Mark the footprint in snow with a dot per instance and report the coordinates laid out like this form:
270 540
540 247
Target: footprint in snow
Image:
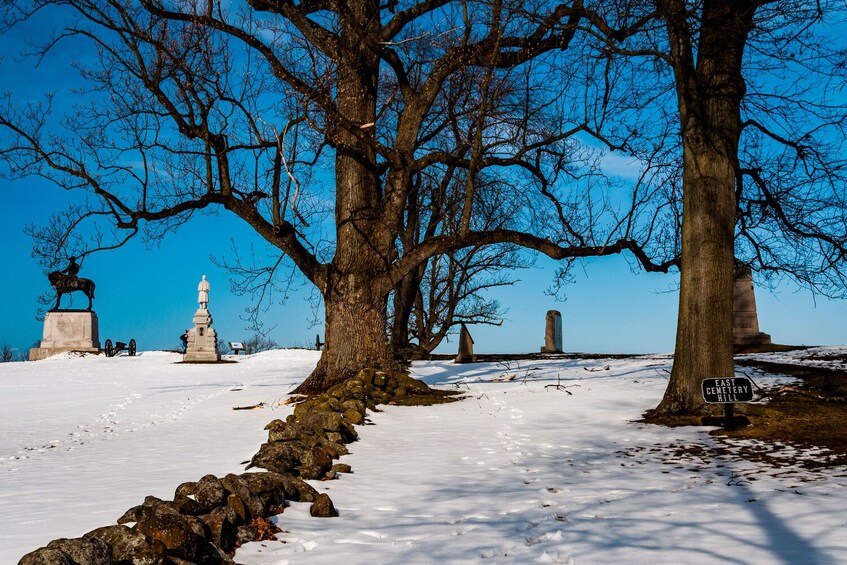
307 546
372 534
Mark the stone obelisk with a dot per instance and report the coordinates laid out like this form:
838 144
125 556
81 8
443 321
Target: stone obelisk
465 346
745 318
553 333
202 344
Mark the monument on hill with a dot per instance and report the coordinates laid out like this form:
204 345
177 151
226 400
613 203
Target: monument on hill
202 344
465 347
69 329
745 318
553 333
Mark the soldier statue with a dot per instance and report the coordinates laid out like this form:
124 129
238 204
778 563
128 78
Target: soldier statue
72 270
203 293
67 281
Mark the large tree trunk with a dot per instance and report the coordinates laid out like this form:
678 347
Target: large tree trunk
356 326
704 326
709 95
355 338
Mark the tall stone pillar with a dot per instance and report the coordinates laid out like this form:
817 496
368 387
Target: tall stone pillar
745 318
553 333
465 346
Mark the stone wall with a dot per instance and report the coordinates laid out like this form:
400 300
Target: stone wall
207 520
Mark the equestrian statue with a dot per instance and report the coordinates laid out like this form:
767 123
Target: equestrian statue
67 281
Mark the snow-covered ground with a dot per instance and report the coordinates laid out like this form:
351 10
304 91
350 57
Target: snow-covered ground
521 471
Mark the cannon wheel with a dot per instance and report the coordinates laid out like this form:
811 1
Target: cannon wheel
131 348
109 348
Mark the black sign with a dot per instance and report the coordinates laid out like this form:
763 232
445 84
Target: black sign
724 391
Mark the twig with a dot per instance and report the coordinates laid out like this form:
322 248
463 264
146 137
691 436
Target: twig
253 407
560 386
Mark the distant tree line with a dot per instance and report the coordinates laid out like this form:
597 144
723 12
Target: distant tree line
10 354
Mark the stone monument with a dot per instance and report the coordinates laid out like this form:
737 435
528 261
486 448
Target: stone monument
202 344
553 333
69 329
465 346
745 319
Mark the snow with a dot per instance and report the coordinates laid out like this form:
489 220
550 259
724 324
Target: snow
543 462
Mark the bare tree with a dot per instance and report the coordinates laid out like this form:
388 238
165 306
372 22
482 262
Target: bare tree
760 149
453 291
445 291
7 353
258 343
194 105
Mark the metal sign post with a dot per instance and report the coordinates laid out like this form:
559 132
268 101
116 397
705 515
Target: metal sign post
727 392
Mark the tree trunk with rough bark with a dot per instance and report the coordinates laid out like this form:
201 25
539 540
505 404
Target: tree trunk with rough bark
355 338
709 94
704 326
356 325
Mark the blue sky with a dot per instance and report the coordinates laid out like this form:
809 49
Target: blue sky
150 293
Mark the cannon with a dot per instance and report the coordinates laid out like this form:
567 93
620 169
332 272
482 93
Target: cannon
113 349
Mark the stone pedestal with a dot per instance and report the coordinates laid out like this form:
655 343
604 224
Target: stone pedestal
553 333
745 318
68 330
465 347
202 340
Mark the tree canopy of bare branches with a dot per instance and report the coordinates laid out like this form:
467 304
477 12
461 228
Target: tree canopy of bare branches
761 109
314 121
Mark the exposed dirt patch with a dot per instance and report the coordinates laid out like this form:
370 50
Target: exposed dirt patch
264 529
434 396
810 412
801 426
768 348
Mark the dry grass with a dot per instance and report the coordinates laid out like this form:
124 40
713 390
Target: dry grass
812 412
264 529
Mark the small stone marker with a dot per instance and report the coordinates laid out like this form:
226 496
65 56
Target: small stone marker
202 338
465 346
553 333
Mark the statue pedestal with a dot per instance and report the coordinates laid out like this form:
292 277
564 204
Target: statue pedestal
202 340
68 330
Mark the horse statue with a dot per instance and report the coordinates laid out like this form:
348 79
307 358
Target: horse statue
67 281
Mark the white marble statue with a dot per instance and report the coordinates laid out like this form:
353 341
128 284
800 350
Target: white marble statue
203 293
